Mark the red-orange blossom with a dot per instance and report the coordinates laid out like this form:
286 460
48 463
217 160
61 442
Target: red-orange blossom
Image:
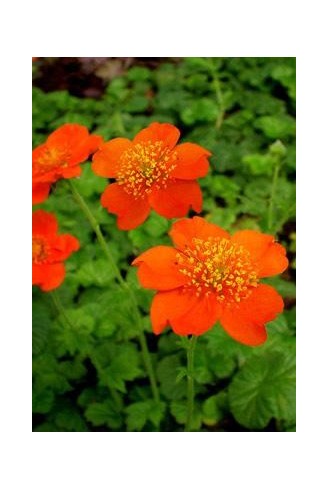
151 171
49 250
210 275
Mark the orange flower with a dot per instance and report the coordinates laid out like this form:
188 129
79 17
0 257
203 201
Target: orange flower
151 172
211 276
49 250
60 157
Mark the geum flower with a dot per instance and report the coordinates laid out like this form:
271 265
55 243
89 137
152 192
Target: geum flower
151 172
60 157
49 250
210 275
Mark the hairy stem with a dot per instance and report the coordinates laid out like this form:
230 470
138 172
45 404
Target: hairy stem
190 382
102 242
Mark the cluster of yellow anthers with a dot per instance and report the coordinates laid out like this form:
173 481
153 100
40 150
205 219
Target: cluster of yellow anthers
39 250
146 166
218 266
52 158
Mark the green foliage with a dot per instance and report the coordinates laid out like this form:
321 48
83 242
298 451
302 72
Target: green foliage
140 412
88 370
103 414
264 388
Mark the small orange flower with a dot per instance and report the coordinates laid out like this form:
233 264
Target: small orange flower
211 276
49 250
60 157
151 172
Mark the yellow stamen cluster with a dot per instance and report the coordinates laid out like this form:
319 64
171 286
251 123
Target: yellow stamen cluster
146 166
218 266
51 158
39 250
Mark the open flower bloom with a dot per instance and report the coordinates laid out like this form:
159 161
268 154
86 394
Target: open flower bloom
210 275
60 157
49 250
151 172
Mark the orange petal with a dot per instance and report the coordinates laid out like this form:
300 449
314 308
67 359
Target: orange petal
168 305
192 162
246 322
157 269
67 135
80 151
165 132
75 141
40 192
269 256
176 200
69 172
48 276
199 319
37 153
274 261
44 223
184 230
131 212
63 246
105 161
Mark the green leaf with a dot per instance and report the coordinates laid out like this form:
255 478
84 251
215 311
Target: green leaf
75 336
156 225
72 369
200 110
89 183
47 375
69 420
263 389
223 217
222 347
179 412
42 400
116 364
259 164
223 187
95 272
104 413
167 371
211 411
277 126
140 412
287 289
286 75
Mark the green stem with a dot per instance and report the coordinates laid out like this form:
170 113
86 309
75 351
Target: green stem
190 382
218 93
102 242
96 228
272 196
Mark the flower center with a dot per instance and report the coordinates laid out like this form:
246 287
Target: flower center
51 158
146 166
218 266
39 250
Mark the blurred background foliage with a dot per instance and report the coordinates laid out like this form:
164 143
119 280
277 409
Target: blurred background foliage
243 111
